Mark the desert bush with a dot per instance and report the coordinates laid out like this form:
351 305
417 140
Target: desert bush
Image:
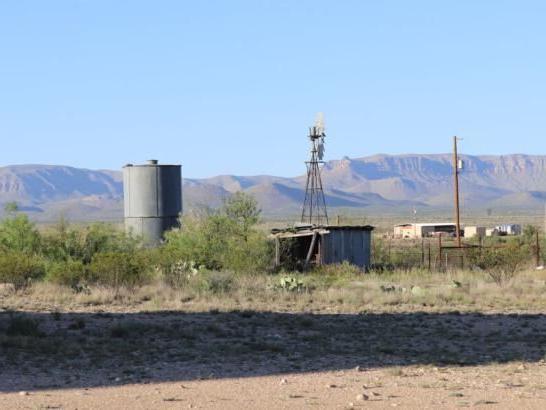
105 238
528 234
203 239
501 263
71 273
223 239
242 209
117 269
20 269
18 234
63 242
174 270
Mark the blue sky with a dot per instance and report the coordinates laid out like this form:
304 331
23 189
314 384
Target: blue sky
231 86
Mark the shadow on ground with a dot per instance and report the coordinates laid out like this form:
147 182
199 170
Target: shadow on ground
70 350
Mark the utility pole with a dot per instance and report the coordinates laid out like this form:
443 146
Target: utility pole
457 206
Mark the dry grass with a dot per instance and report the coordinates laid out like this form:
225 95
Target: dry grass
52 337
346 292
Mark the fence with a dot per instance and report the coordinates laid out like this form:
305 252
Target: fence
442 253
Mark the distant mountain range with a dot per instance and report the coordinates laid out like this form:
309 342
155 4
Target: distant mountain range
379 183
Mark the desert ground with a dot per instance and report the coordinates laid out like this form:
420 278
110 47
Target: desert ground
356 345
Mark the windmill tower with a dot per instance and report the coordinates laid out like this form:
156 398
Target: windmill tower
314 204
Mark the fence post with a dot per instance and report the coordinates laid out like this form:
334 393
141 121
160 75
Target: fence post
461 254
440 250
537 249
429 261
422 252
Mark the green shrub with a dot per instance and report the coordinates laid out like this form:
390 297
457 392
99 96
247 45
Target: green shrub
502 262
18 234
118 269
20 269
63 242
106 238
175 271
67 273
224 239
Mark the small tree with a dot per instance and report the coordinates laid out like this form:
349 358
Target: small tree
243 210
63 242
223 239
17 232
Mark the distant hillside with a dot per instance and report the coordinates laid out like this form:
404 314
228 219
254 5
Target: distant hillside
375 183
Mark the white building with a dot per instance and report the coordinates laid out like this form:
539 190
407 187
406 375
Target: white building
508 229
474 231
424 230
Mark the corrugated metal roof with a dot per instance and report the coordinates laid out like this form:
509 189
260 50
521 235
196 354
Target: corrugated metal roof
427 224
321 230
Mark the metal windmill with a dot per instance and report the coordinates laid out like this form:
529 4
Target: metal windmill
314 204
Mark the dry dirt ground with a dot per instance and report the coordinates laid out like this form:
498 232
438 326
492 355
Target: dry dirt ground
263 359
515 386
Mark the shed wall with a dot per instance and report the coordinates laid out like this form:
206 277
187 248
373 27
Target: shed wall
351 245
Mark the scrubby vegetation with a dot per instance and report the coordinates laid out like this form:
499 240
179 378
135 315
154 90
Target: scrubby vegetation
223 253
209 248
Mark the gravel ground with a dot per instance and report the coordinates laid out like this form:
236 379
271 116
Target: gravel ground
510 386
264 359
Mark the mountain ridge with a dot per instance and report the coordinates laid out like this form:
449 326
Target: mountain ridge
376 182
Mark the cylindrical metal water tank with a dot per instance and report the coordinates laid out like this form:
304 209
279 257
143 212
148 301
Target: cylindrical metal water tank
152 196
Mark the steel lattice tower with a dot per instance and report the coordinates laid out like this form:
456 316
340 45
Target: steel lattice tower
314 204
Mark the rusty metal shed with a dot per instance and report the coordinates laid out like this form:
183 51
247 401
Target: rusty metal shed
320 245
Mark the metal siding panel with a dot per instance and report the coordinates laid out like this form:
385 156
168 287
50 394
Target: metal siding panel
152 199
338 244
142 192
169 191
355 250
327 246
367 249
127 191
360 249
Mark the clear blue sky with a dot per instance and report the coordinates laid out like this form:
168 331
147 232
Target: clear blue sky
231 86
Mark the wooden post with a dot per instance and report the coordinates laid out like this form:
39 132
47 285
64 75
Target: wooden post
311 248
277 252
440 249
462 254
429 258
537 249
456 189
337 220
422 252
